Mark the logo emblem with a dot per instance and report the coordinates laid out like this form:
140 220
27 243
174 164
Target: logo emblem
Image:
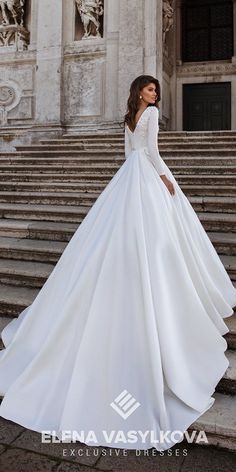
125 404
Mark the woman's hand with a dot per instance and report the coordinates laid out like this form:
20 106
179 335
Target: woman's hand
168 184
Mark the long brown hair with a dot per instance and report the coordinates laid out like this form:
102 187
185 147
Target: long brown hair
134 97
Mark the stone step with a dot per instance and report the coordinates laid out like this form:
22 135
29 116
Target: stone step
222 222
169 139
119 145
107 168
195 151
208 203
228 383
91 187
231 336
115 161
96 188
49 230
102 140
67 198
71 214
166 145
101 161
206 179
31 250
203 170
64 153
68 168
224 243
189 134
197 161
181 152
24 273
230 265
66 176
13 300
91 159
218 422
171 134
93 135
162 138
192 133
75 214
213 204
91 178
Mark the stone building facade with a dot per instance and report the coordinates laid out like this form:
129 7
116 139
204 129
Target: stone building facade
66 65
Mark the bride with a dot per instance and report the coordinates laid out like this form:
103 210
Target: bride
125 338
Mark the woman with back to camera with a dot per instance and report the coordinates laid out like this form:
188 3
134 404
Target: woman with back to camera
127 332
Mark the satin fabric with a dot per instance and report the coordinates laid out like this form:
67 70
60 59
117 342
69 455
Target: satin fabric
135 303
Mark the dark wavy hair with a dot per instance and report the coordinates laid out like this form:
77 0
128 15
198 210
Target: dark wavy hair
134 97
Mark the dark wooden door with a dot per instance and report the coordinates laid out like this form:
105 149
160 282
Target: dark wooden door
207 106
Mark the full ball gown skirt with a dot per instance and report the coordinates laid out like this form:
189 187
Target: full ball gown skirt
135 305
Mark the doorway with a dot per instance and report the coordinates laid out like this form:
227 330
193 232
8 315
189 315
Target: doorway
207 107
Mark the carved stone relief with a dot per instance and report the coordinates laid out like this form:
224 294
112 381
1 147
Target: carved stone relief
9 99
90 12
168 19
206 69
12 29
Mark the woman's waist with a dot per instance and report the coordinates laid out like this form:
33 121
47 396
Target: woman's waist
144 150
140 148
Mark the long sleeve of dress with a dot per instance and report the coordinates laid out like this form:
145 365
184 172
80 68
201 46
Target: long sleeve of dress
127 143
152 135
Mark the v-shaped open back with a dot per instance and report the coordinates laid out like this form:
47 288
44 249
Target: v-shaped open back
132 132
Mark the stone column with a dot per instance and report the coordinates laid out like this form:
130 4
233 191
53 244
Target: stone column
131 45
111 11
234 20
150 37
159 50
49 61
178 32
233 77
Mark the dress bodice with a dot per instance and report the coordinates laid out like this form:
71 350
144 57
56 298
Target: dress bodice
144 137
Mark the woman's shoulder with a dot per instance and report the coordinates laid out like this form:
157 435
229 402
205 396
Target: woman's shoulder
153 110
126 128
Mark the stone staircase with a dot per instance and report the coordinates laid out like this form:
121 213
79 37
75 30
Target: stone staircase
46 189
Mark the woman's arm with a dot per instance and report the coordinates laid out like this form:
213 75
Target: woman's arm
127 143
153 128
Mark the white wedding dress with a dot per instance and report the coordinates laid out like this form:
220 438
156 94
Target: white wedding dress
126 333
